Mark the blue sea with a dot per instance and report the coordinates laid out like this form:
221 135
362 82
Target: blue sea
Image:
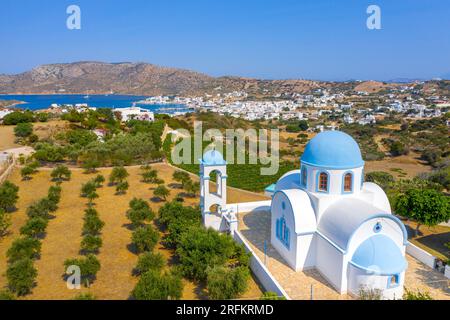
38 102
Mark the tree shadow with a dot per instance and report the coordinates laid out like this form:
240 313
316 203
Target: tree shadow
437 242
129 226
175 185
156 200
432 278
132 248
412 232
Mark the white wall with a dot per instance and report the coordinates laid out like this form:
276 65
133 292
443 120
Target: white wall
358 279
306 251
289 255
335 179
329 262
447 271
243 207
260 270
421 255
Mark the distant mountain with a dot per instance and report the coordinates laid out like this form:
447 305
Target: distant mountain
149 79
99 77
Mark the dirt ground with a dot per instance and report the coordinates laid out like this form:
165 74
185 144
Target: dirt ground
410 166
43 130
431 239
114 280
7 138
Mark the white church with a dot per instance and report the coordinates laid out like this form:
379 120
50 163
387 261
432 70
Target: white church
324 216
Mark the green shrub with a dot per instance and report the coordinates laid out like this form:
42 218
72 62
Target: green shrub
23 130
9 194
139 212
149 176
137 204
383 179
33 138
91 244
54 194
5 222
398 148
21 276
34 227
410 295
16 117
7 295
149 261
177 218
49 152
42 117
227 283
88 188
118 174
99 180
428 207
161 192
201 248
41 209
89 266
26 172
154 286
85 296
22 248
61 173
92 223
269 295
145 238
122 187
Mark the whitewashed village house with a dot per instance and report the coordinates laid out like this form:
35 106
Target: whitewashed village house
135 113
324 216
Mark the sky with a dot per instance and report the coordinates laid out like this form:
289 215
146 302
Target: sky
269 39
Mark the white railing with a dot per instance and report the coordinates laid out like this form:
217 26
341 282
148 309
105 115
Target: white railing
421 255
260 270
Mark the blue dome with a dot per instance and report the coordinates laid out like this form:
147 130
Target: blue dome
333 150
379 255
212 157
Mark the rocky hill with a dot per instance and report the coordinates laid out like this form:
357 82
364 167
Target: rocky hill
149 79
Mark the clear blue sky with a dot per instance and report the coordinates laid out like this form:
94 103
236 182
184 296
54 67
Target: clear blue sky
274 39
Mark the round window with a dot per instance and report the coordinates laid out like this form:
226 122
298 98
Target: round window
377 228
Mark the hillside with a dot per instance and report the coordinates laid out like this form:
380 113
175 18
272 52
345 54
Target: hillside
141 79
149 79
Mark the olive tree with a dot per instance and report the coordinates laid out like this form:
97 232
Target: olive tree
8 195
428 207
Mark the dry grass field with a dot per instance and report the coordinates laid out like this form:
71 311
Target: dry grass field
114 280
43 130
409 165
7 138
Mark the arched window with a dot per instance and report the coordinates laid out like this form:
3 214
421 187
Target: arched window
282 232
323 182
304 176
348 182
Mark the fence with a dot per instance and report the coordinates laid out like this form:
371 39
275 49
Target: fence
260 270
249 206
421 255
7 169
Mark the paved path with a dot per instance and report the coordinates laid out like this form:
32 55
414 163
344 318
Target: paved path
255 227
